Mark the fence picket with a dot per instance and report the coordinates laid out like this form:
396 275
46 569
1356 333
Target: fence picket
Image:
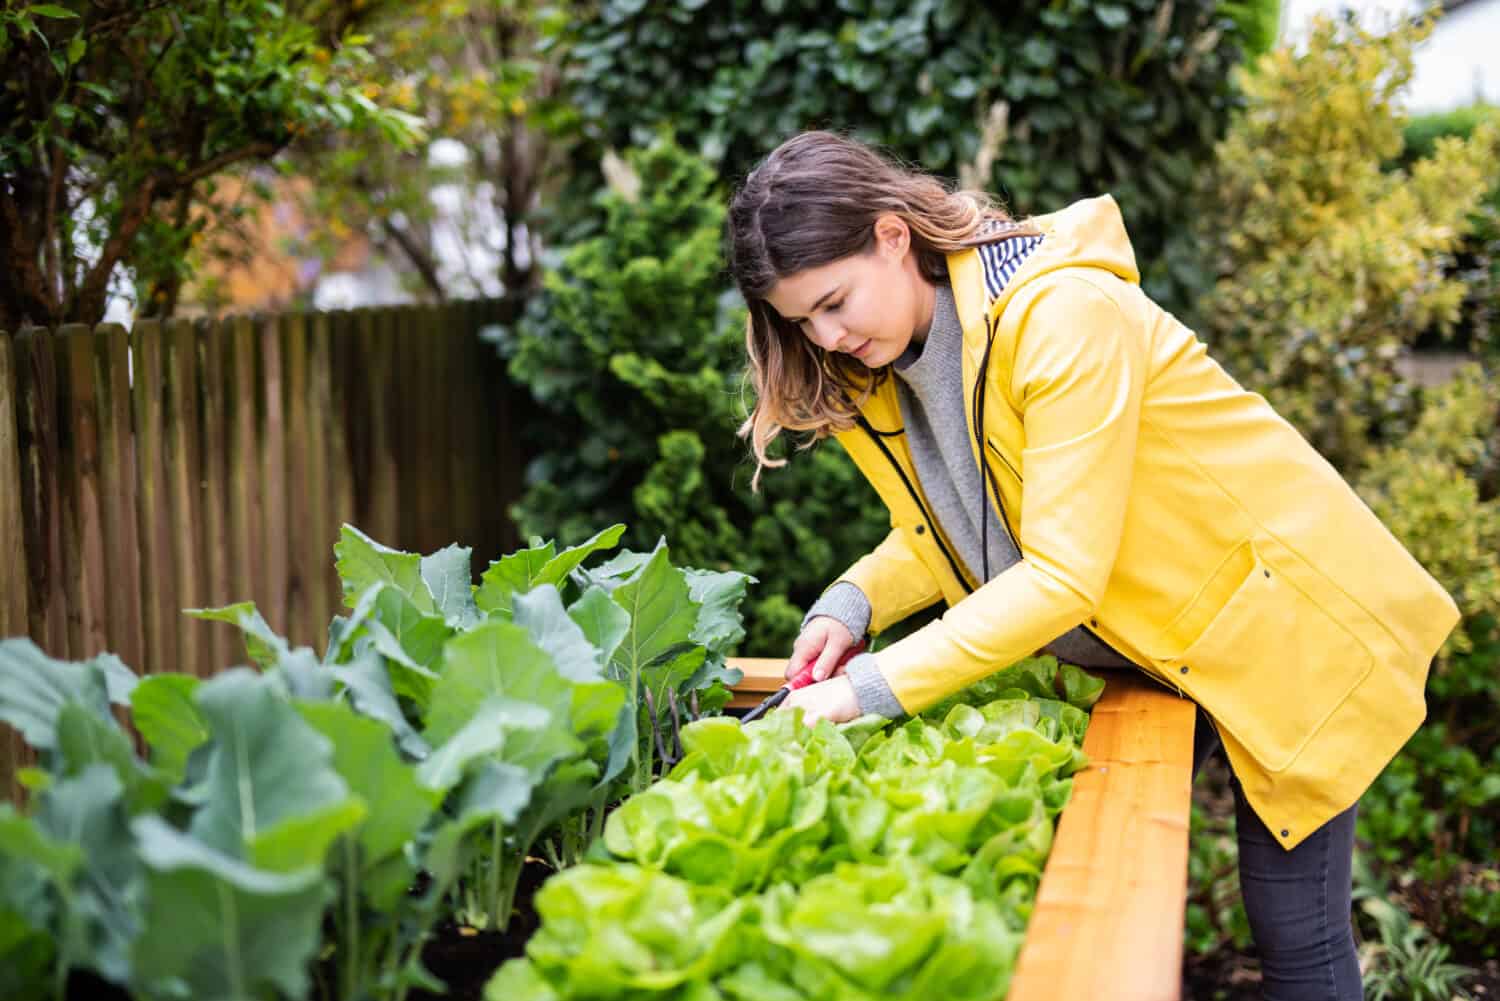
13 603
184 479
158 578
118 479
379 335
345 430
272 599
221 647
243 486
14 618
83 530
301 530
461 416
42 521
319 418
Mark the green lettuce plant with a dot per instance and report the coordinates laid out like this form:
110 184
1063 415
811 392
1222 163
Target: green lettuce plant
865 860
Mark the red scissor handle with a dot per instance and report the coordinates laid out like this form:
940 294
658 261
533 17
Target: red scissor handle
804 677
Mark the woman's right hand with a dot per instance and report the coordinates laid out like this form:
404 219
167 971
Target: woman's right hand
824 640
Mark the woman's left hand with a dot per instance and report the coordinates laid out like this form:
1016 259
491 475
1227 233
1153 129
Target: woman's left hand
833 700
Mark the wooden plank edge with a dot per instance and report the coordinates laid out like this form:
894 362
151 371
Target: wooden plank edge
1108 918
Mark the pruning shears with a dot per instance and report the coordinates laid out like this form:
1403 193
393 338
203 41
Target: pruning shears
801 679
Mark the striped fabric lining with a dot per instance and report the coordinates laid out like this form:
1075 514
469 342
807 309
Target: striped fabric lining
1001 260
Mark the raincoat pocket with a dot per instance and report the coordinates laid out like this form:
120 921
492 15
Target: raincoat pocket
1247 614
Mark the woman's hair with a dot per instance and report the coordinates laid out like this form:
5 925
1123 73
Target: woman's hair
812 201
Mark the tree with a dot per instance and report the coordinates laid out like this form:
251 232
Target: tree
118 115
474 72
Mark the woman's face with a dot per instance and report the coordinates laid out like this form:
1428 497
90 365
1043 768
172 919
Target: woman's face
870 305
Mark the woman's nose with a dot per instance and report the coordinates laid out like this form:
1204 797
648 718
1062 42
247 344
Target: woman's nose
826 334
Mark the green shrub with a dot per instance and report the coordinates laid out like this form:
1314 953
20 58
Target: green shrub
1423 489
1328 265
1041 103
1476 260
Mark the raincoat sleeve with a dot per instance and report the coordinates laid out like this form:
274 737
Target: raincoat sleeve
895 580
1078 378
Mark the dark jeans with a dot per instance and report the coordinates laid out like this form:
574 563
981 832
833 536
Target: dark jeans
1298 901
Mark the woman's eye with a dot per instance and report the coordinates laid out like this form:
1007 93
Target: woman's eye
834 307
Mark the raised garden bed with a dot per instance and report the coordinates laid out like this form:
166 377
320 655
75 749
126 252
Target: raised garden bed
1109 912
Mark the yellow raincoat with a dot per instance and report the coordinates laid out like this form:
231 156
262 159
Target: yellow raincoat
1176 515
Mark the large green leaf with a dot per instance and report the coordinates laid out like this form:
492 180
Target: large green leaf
517 571
485 735
397 806
368 685
362 561
412 640
274 798
540 611
84 739
603 622
298 670
262 644
719 626
500 658
662 617
34 688
27 945
525 569
102 909
218 927
344 631
163 710
448 575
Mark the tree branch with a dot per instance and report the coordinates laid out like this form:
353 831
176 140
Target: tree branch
417 255
22 285
89 306
265 150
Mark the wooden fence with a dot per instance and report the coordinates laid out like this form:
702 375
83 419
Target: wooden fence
199 462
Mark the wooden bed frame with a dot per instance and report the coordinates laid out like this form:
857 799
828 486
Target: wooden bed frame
1109 912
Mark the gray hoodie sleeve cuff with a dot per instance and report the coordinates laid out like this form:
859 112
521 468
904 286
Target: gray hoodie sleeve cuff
871 689
847 603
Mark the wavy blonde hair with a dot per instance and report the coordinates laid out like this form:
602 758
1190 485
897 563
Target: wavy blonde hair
812 201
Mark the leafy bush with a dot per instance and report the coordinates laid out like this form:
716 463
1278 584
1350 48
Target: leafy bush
1043 103
1328 265
1476 261
634 352
1426 491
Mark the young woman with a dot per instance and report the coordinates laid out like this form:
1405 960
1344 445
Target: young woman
1068 469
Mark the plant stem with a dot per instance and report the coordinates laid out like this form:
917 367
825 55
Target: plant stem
493 879
351 920
504 900
676 727
661 746
553 857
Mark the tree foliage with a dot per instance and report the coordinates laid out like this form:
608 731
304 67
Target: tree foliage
457 210
119 114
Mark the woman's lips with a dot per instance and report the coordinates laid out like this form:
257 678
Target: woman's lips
860 351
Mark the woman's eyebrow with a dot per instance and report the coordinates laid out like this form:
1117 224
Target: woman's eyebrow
822 299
